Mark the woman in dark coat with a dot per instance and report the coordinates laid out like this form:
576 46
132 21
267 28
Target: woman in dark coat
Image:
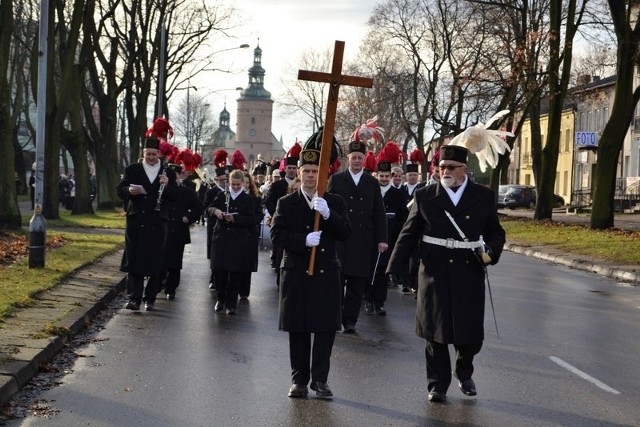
310 304
252 190
233 233
183 211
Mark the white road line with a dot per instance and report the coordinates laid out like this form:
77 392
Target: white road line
583 375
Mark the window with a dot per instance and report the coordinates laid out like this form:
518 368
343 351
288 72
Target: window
598 122
567 140
565 183
253 120
605 116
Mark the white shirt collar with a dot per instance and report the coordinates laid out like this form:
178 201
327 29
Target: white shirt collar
356 176
455 196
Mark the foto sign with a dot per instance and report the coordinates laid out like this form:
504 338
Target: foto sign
586 139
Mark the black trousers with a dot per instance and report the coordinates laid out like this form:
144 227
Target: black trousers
172 280
227 285
439 363
245 285
310 362
353 291
377 293
137 292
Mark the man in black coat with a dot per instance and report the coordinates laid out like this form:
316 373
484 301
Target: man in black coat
395 207
278 190
451 292
146 228
409 278
310 304
219 186
365 210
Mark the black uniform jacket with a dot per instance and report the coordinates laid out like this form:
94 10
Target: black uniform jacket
277 190
395 206
145 231
309 303
186 204
232 242
366 213
209 197
451 292
405 190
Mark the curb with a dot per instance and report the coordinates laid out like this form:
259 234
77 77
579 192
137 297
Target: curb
618 272
16 372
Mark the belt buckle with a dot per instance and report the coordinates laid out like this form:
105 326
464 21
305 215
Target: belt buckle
450 243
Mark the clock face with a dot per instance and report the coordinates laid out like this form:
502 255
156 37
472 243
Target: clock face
252 132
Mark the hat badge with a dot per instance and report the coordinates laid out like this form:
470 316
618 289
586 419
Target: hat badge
310 156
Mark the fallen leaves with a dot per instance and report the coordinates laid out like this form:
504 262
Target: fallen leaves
15 246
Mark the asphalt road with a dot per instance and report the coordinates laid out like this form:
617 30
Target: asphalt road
567 356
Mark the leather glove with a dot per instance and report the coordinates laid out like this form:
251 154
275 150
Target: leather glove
210 211
313 239
320 205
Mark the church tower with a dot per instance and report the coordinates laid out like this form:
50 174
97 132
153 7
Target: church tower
223 138
255 111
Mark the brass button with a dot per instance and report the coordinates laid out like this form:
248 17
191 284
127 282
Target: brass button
307 227
321 271
322 250
450 261
467 217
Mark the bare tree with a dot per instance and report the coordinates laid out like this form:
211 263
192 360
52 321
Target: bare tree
192 122
627 30
9 212
563 26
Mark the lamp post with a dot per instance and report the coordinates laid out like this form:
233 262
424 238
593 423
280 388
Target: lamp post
188 126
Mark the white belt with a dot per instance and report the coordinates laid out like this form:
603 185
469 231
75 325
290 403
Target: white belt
451 243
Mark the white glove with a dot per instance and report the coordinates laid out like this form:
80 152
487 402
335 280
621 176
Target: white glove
313 239
321 206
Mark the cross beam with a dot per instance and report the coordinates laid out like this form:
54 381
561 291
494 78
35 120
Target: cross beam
335 80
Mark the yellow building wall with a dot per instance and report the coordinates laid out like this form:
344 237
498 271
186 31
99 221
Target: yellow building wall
564 171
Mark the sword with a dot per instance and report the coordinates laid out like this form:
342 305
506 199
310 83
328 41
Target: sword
493 310
373 278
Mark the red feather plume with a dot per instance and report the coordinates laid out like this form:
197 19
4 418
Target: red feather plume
416 156
390 153
161 129
220 158
295 150
187 159
167 150
334 167
370 162
237 160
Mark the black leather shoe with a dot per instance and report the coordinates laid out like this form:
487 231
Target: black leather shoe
231 311
132 305
219 306
321 389
368 307
349 328
437 397
298 390
468 387
380 311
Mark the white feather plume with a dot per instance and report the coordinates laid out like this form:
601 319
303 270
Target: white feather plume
486 144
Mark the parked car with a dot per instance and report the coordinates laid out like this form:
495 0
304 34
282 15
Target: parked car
520 196
502 191
523 196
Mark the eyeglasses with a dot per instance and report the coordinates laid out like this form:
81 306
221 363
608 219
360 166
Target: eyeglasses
450 167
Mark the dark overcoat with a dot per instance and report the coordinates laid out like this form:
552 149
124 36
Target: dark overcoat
186 204
366 213
146 227
395 206
209 197
405 190
309 303
277 190
451 290
232 242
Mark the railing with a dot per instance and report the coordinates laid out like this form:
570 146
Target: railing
580 199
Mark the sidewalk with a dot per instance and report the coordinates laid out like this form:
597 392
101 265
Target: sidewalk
73 303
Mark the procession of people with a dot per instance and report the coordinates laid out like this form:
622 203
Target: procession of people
378 225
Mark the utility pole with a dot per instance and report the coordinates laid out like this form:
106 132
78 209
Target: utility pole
38 224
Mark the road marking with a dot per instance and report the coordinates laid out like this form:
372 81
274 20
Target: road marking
583 375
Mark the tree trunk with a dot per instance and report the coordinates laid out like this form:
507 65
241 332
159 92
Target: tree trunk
9 212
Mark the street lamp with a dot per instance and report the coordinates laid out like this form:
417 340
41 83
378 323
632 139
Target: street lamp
197 147
188 126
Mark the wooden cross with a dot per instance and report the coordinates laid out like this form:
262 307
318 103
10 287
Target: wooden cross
335 80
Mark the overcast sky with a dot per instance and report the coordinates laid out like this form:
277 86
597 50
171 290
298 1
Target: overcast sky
286 28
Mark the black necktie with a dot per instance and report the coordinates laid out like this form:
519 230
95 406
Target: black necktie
454 189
